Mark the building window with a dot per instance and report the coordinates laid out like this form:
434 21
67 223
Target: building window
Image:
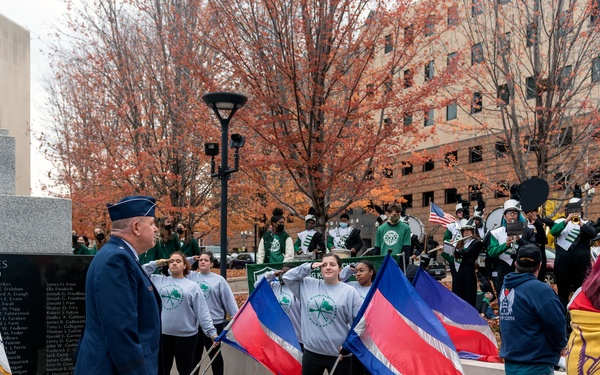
477 54
370 175
504 44
407 120
430 26
476 8
561 181
427 197
595 12
596 69
450 196
386 121
451 60
501 149
388 171
566 77
389 46
451 158
407 169
502 189
502 2
428 117
477 104
453 15
530 143
564 20
408 78
451 111
473 191
503 94
429 71
387 86
408 200
566 137
531 34
594 177
428 166
409 35
475 154
531 88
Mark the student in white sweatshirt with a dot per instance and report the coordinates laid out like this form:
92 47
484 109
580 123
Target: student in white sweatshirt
220 300
183 310
328 308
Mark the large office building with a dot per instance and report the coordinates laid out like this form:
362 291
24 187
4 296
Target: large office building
14 96
523 103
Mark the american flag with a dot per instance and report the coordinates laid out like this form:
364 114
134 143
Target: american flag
436 215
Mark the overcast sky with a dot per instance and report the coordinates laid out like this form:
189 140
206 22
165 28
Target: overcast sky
37 16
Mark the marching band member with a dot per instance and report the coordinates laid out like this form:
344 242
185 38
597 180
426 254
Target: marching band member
345 236
393 234
276 246
573 236
309 240
505 247
453 229
462 262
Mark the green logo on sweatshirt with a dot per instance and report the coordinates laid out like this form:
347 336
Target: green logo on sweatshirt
205 288
172 296
322 310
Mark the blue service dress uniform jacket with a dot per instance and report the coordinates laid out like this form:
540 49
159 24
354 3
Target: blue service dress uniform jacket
122 331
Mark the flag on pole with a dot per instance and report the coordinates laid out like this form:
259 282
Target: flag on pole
438 216
263 331
395 332
470 333
4 367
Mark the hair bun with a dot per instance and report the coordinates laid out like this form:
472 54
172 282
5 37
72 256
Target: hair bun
277 211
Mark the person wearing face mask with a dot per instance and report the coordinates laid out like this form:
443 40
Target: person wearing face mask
187 243
101 238
276 246
393 235
345 236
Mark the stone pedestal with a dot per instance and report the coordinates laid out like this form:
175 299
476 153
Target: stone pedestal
30 224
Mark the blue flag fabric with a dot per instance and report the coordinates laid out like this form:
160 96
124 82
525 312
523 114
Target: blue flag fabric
263 331
396 332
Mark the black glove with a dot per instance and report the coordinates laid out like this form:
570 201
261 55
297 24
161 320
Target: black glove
345 352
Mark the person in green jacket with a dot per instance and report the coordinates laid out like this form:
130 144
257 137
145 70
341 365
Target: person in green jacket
276 246
187 243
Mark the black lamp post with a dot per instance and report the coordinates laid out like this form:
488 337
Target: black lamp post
244 234
225 105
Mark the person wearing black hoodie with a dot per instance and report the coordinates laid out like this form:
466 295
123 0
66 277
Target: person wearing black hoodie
532 318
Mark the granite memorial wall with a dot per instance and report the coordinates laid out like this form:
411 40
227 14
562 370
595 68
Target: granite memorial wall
42 311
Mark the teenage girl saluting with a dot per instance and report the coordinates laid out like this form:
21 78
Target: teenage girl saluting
328 308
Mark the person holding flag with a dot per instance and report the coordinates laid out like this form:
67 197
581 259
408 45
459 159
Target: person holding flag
328 308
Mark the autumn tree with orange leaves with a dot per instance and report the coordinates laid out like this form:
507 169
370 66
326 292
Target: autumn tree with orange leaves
329 85
125 100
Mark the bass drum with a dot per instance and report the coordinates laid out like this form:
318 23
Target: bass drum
494 219
416 227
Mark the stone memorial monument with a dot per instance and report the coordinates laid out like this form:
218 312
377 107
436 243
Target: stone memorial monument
37 225
42 285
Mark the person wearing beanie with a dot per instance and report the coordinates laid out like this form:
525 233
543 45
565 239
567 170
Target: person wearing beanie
122 322
532 318
276 246
572 239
